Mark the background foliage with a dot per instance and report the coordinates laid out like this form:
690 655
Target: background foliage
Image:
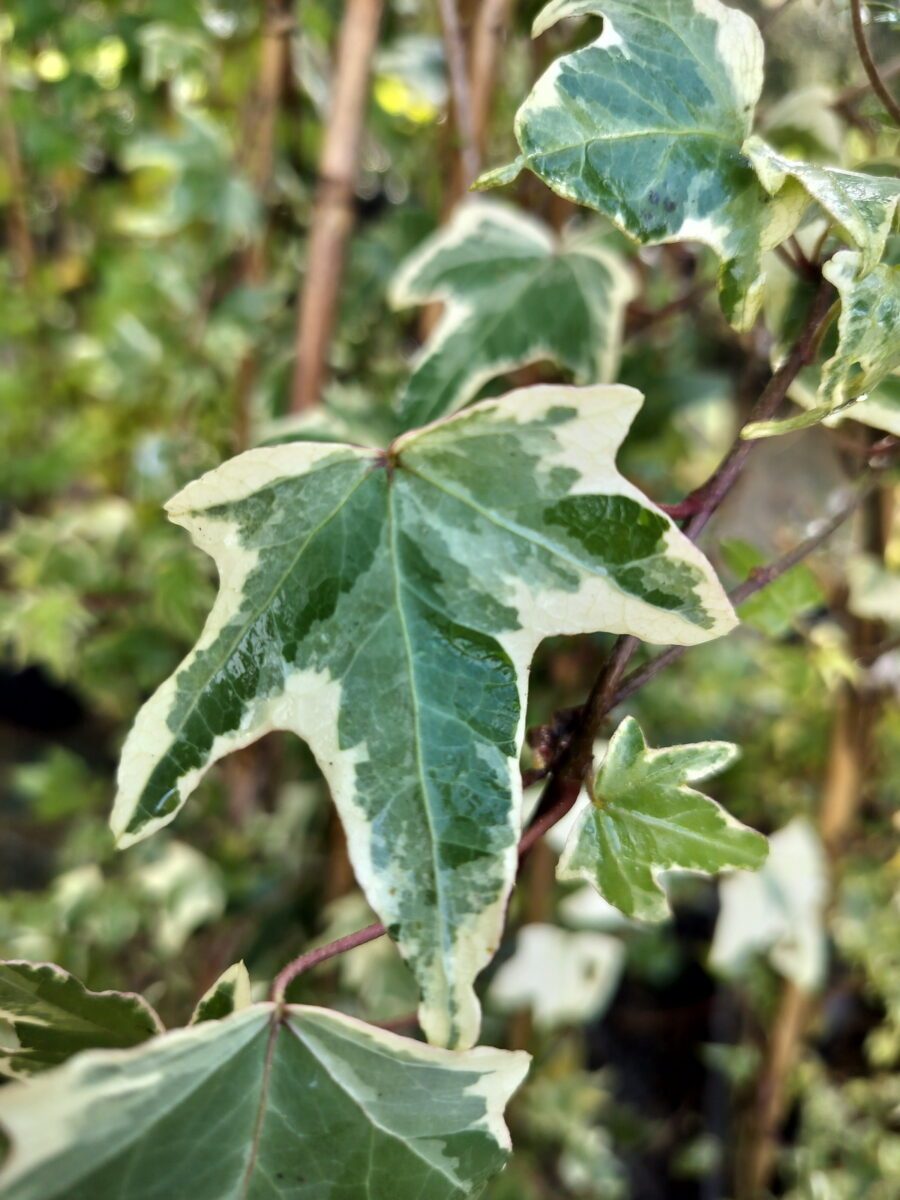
140 349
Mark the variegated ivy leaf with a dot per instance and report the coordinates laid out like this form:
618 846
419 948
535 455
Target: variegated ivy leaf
564 978
868 349
864 206
645 818
385 606
229 994
514 294
780 911
788 298
54 1016
646 126
248 1106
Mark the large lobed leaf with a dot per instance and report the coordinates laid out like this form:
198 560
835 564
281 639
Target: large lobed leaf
54 1016
514 294
644 818
646 125
385 607
651 125
304 1104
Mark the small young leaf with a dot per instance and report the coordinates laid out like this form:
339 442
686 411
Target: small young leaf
868 347
646 126
385 606
514 294
564 978
229 994
263 1105
863 206
644 819
54 1016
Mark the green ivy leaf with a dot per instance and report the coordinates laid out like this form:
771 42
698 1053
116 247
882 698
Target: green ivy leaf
514 294
644 818
244 1106
868 349
646 126
54 1016
229 994
864 206
774 610
385 606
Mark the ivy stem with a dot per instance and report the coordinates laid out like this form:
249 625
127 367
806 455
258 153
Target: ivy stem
321 954
871 67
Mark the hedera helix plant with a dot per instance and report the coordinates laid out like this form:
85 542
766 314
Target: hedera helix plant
384 604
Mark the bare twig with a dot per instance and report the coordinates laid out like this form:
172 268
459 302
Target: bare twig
257 157
869 65
788 1025
852 95
487 41
333 214
460 94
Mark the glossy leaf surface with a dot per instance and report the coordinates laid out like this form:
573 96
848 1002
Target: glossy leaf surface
646 125
385 606
868 348
864 206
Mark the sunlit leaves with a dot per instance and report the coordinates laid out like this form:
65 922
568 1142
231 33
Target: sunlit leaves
267 1106
868 348
645 818
514 294
385 606
863 206
53 1016
646 126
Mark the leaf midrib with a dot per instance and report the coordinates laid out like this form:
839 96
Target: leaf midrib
414 700
624 814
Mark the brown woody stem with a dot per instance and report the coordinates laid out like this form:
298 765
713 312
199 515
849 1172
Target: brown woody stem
333 212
